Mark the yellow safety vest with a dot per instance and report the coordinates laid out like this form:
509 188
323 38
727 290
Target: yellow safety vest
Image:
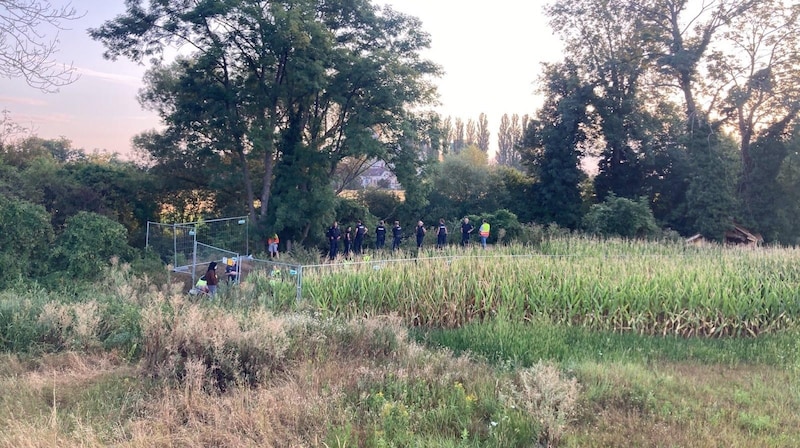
484 230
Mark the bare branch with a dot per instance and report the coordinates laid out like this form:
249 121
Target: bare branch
27 48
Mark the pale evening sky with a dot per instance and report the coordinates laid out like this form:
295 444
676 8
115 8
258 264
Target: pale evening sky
490 52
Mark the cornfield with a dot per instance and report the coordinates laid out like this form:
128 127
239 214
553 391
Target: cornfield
646 288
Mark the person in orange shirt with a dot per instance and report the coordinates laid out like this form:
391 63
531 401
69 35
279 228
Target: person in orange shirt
272 243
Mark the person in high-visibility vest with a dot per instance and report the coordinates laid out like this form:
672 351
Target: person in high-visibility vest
483 231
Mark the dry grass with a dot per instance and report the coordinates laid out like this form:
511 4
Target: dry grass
75 399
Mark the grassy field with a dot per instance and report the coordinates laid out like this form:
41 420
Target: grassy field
572 342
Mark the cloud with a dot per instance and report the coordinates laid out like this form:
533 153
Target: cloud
117 78
36 120
22 100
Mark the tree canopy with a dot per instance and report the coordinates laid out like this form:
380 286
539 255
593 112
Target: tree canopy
268 97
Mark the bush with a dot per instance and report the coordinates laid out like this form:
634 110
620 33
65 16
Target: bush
25 237
382 203
88 244
621 217
505 227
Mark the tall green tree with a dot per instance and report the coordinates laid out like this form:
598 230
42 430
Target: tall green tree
553 146
459 136
471 133
505 140
447 135
276 92
483 133
611 42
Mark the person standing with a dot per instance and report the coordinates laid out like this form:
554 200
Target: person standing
484 233
347 239
466 230
397 236
273 245
358 241
380 235
232 271
420 232
441 235
333 234
211 278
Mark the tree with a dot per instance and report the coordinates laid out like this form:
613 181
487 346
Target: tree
788 228
504 141
447 135
763 97
509 138
462 184
274 95
26 51
472 133
768 205
553 146
682 43
611 44
459 138
483 133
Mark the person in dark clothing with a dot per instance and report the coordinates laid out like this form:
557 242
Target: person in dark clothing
380 235
466 230
211 278
333 234
397 235
358 241
441 235
420 232
232 271
347 239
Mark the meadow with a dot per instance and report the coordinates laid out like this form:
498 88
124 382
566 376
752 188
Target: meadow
569 342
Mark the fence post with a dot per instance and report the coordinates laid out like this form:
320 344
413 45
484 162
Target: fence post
194 254
299 283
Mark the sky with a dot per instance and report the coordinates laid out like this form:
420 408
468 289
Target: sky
490 52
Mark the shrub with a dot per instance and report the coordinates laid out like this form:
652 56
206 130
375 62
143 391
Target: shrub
88 244
25 237
505 226
621 217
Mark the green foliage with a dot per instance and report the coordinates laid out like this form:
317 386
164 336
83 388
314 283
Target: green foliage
517 191
87 245
505 226
710 201
381 203
552 146
764 200
789 180
276 96
464 184
25 240
348 211
621 217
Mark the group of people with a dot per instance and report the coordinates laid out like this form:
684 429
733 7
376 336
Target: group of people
353 239
208 282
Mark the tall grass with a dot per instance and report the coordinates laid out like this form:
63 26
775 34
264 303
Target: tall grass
616 285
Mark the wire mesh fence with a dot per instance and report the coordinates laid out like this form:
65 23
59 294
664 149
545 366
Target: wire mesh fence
191 244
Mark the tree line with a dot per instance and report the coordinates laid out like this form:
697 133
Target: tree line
688 108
